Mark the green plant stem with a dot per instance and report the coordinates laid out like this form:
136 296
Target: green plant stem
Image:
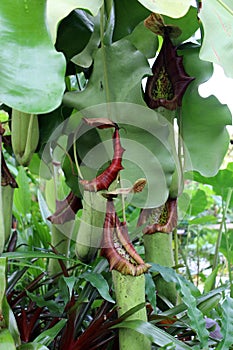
198 255
62 244
105 69
91 226
30 141
123 204
176 249
188 273
7 193
229 194
219 238
2 226
130 292
76 158
158 250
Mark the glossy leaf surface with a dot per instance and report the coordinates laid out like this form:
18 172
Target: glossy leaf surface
58 9
217 47
170 8
31 71
46 337
204 120
114 77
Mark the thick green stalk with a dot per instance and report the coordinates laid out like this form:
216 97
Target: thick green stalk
158 249
130 291
7 203
61 243
24 135
91 226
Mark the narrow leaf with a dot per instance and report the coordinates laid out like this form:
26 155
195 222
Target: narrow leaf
207 219
2 279
153 333
210 280
10 321
70 282
45 212
41 302
150 290
31 255
186 288
227 325
46 337
32 346
197 321
99 282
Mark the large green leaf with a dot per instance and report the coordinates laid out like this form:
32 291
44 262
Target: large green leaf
198 203
148 45
128 14
144 135
203 120
188 25
221 182
118 70
31 71
85 58
58 9
170 8
217 19
74 33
